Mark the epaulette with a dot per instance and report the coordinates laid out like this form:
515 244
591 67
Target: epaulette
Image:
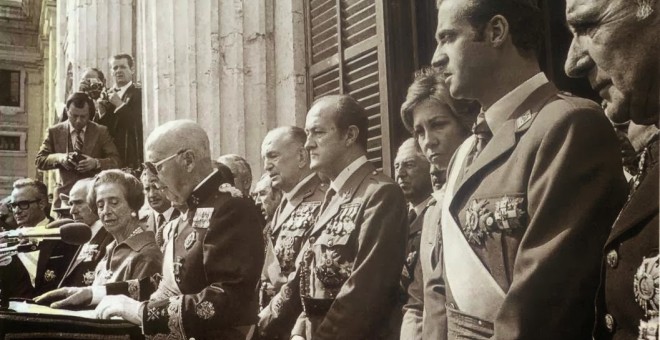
230 189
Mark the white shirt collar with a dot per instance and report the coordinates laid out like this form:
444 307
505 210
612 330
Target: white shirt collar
500 111
294 191
345 174
72 130
123 89
167 214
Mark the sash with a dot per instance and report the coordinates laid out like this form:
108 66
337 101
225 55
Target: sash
168 286
474 290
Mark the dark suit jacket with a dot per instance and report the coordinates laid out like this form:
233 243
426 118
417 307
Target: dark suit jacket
356 253
98 144
631 252
424 312
152 225
54 259
557 161
127 131
219 249
83 273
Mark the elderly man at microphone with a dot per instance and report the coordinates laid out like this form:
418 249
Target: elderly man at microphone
40 269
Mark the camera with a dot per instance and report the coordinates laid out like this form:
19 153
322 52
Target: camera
92 86
76 157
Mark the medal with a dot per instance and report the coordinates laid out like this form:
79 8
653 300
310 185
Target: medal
88 278
49 275
202 218
190 240
646 286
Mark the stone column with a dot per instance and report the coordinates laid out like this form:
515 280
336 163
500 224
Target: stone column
97 30
236 67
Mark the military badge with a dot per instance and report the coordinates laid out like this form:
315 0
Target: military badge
88 252
190 240
108 274
648 330
474 227
205 310
522 120
178 264
509 213
155 313
88 278
285 251
202 218
49 275
646 286
344 222
330 271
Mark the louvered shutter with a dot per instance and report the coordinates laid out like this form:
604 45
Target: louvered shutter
344 57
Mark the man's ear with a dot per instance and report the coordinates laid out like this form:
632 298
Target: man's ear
303 157
497 30
189 159
352 133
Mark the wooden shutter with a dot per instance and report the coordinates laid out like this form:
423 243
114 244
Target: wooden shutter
346 55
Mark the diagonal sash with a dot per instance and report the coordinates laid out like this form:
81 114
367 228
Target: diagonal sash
474 290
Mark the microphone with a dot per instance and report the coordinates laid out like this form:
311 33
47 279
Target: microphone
75 233
59 223
19 248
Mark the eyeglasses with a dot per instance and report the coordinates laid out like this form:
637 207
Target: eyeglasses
154 168
22 204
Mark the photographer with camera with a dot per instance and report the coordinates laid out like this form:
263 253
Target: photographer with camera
78 147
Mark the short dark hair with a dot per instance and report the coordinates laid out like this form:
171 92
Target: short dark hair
349 112
524 17
78 99
132 188
123 56
99 72
40 186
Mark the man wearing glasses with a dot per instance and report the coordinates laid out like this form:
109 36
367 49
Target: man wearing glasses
213 254
26 275
161 210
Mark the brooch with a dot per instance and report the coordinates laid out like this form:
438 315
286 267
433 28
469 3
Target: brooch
49 275
205 310
646 287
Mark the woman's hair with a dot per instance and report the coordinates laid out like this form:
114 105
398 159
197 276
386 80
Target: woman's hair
131 186
429 84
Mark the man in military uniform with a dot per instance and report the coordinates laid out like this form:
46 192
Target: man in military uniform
287 163
623 65
351 263
81 270
412 174
212 258
531 193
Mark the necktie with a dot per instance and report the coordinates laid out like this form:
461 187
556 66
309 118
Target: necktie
160 222
78 146
482 135
412 215
328 197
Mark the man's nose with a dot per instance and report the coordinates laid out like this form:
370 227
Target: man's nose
440 59
578 61
308 143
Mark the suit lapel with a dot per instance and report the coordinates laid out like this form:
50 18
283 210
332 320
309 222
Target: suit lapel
507 135
64 138
128 94
344 195
643 204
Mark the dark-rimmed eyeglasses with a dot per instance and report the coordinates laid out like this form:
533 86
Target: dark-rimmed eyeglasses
154 168
24 205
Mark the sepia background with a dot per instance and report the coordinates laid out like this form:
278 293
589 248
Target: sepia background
239 68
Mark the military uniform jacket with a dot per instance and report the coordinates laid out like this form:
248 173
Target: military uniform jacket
289 228
54 259
83 273
424 315
535 206
217 259
412 250
351 263
628 301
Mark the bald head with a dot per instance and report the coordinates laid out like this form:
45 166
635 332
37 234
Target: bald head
181 151
176 135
